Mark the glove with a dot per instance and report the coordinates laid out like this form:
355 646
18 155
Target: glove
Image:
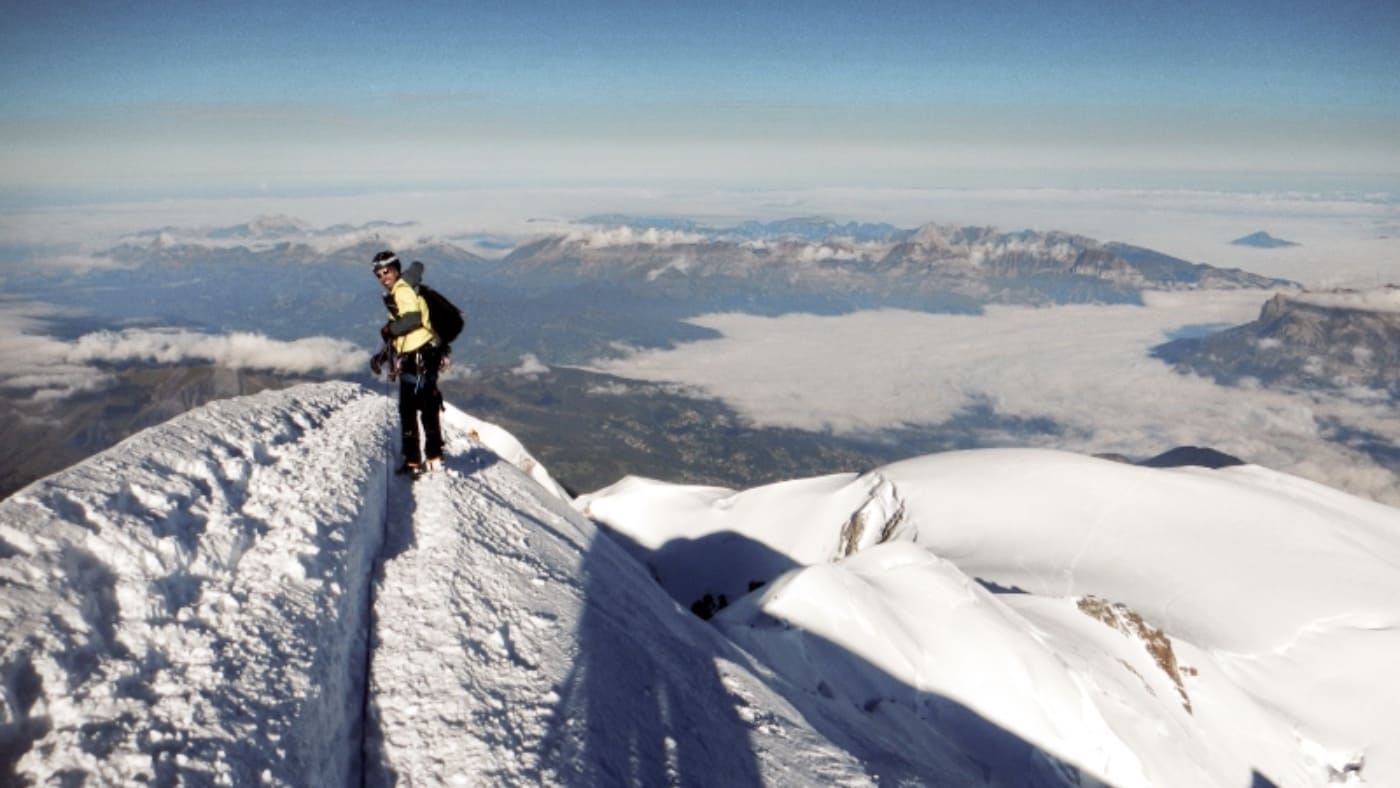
384 333
376 363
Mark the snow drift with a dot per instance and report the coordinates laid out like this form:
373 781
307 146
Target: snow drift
1149 626
246 595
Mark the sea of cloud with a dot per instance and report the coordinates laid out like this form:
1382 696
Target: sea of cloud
39 367
236 350
1085 368
1386 299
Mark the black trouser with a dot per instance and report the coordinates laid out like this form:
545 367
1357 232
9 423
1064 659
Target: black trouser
419 398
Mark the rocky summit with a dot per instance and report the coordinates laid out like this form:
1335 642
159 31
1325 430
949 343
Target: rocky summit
1336 339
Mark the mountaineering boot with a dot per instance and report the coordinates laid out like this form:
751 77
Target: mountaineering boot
410 469
433 464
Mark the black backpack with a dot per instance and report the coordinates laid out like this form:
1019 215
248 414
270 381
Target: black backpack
444 316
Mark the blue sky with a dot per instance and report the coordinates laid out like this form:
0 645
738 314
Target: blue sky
178 97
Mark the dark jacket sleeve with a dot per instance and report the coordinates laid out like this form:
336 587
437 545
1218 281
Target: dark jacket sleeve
405 323
402 319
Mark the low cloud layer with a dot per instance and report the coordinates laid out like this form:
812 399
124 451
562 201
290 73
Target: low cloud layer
603 238
530 366
35 365
39 367
238 350
1386 299
1086 368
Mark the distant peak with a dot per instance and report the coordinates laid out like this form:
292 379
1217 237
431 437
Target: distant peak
1262 240
1202 456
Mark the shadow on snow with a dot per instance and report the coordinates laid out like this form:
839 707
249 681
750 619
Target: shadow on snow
641 711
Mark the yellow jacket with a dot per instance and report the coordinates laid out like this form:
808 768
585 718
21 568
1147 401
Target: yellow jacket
405 303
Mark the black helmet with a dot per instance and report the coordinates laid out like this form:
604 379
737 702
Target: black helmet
386 259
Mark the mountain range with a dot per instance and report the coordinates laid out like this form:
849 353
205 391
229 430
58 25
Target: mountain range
579 295
933 267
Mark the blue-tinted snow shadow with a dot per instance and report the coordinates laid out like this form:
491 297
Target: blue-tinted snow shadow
398 538
474 460
24 686
692 730
398 528
641 710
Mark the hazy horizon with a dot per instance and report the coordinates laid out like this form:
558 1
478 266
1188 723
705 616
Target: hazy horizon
169 101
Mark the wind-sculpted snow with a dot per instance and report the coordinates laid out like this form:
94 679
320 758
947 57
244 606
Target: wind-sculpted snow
190 605
1146 626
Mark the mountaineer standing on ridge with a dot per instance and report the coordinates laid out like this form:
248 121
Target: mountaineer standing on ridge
415 357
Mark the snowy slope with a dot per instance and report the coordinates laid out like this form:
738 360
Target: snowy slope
191 603
245 595
1149 626
514 645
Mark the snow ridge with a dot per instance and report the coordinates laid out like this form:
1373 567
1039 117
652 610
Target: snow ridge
161 614
513 644
245 595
